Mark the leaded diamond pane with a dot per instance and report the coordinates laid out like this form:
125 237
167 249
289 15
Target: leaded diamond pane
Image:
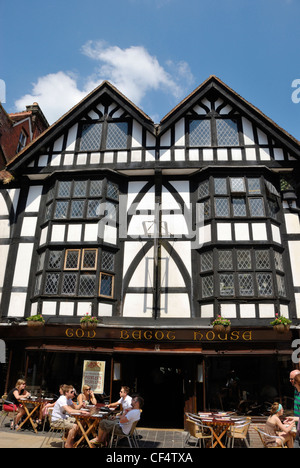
69 283
237 184
117 135
89 259
96 188
254 186
256 207
281 285
77 208
64 189
80 187
227 132
207 286
262 259
112 191
51 283
204 189
87 285
108 261
225 260
48 212
264 283
273 209
207 209
278 261
91 137
55 258
72 260
206 261
37 287
244 260
222 207
106 285
221 186
94 210
61 210
239 206
245 284
200 134
41 262
226 285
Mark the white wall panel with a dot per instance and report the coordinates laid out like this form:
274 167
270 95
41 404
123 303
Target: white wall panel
174 305
294 248
17 305
138 305
34 199
22 265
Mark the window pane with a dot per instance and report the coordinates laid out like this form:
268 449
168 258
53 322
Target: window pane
72 260
91 137
89 259
106 285
51 284
94 209
80 187
204 189
221 187
273 209
262 260
64 189
264 283
117 135
77 209
254 186
239 207
222 207
55 258
96 188
278 261
226 285
200 133
111 211
244 260
246 284
207 286
69 283
225 260
256 207
237 184
281 285
227 132
112 191
206 261
87 285
61 210
108 261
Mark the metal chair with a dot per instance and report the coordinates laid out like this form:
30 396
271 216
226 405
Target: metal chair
54 430
262 436
5 413
198 431
239 431
131 437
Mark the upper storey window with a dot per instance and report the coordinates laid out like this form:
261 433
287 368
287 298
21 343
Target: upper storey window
104 135
213 132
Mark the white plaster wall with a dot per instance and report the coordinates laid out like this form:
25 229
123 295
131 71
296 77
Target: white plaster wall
174 305
29 226
17 305
34 199
292 223
138 305
143 275
294 248
22 265
3 256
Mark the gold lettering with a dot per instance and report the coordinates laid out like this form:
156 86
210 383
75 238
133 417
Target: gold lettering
197 336
171 336
235 336
124 335
212 334
247 336
69 332
91 334
136 334
148 335
79 333
159 335
220 336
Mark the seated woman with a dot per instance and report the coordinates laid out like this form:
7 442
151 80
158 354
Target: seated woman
87 396
274 427
12 401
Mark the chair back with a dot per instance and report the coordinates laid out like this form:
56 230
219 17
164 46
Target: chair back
262 435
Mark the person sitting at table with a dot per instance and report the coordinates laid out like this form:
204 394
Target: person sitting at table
62 414
46 406
274 427
123 425
87 396
125 400
12 402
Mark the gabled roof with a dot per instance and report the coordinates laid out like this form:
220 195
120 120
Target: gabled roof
77 112
215 86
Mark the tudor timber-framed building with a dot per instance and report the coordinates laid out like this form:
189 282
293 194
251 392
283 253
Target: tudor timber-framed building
155 229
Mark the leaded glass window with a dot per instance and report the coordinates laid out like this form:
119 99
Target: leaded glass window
244 260
225 260
200 133
106 285
226 282
222 207
206 261
245 281
239 207
91 137
227 132
87 285
265 284
207 286
256 207
117 133
51 284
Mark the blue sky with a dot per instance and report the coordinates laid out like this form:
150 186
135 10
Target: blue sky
155 51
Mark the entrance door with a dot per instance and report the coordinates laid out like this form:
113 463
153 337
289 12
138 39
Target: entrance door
165 383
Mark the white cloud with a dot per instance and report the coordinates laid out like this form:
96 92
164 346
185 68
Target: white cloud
132 70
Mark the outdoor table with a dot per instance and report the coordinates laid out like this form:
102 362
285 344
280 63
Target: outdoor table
88 423
219 427
36 403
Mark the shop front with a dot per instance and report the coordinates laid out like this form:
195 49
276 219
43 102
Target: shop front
175 370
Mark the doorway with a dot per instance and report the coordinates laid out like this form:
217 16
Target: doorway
165 382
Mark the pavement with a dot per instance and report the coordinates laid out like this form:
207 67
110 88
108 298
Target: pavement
154 439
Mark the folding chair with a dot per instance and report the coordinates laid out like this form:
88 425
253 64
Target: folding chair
262 436
6 413
131 437
239 431
198 431
54 430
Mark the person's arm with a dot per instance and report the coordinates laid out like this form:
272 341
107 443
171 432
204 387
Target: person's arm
18 396
113 405
93 398
284 428
69 409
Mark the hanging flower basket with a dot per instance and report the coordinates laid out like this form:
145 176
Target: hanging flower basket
35 321
281 324
88 322
221 325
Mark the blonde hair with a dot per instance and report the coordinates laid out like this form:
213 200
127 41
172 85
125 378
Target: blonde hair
86 387
20 382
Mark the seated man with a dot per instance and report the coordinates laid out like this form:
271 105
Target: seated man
124 425
61 411
124 401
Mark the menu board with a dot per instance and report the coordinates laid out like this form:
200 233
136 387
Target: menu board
93 375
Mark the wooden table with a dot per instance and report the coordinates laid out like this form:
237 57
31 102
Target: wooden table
219 427
89 424
27 403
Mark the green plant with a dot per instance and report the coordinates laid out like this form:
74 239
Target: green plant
279 320
221 321
87 318
35 318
